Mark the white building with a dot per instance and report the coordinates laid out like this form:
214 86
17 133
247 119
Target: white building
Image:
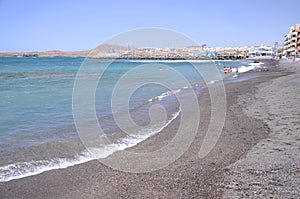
292 41
261 51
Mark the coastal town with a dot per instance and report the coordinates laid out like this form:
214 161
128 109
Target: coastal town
289 48
131 52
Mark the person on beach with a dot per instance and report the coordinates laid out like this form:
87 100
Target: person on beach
230 69
225 70
236 70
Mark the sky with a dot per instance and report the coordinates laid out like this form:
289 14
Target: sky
70 25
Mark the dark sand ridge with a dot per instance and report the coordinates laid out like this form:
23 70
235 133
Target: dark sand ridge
187 177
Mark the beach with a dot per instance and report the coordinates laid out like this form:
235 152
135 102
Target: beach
271 168
255 156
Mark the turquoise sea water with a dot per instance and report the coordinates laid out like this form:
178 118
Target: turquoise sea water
36 97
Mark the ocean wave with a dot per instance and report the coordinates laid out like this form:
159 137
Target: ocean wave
165 94
131 140
214 81
24 169
252 66
256 64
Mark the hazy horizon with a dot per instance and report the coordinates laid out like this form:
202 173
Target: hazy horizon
124 46
75 25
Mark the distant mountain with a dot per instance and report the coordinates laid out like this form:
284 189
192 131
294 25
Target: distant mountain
51 53
103 50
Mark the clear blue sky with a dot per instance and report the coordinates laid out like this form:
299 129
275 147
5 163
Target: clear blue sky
28 25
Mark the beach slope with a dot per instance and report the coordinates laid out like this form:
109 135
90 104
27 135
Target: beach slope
271 169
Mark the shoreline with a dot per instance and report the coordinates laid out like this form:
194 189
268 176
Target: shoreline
178 179
36 159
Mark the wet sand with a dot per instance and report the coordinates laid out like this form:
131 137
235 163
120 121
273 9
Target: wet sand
187 177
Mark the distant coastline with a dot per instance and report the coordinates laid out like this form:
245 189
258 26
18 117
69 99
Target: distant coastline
53 53
86 54
108 51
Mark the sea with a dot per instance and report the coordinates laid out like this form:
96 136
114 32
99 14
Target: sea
39 99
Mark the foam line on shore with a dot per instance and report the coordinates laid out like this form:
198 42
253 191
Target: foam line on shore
252 66
30 168
165 94
24 169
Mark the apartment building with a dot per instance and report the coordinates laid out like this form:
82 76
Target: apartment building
292 41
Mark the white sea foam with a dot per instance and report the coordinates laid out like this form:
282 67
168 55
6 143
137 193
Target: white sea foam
256 64
132 140
165 94
24 169
251 66
213 81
